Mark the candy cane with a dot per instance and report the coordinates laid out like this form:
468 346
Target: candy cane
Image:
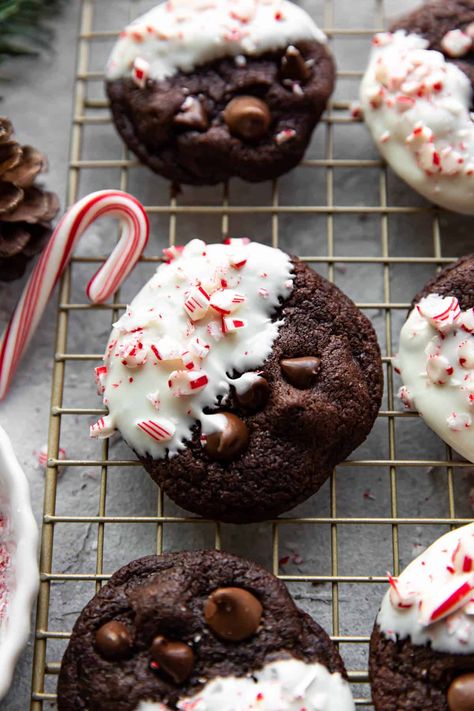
55 258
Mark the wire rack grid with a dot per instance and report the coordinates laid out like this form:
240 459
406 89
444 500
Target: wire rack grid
362 521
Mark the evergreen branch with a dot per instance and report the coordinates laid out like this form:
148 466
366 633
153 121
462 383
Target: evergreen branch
22 27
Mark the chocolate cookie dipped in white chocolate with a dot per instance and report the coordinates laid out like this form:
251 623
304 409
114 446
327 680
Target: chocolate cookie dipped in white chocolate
417 107
432 601
206 314
180 35
436 363
285 685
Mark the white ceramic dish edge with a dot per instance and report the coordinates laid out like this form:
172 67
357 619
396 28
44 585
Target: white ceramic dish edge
15 493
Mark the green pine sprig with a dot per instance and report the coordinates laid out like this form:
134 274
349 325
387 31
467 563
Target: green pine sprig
22 26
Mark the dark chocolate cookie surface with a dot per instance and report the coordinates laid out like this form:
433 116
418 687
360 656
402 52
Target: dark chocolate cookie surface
455 280
315 412
168 600
405 677
177 126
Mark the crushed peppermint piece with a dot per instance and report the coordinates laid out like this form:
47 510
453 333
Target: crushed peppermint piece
456 43
141 72
285 135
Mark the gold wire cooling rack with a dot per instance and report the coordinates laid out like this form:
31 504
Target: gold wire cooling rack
396 493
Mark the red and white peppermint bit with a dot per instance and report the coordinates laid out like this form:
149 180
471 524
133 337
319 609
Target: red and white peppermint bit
458 421
199 347
166 349
186 382
401 599
285 135
196 303
173 252
103 428
456 43
187 358
355 110
439 369
226 301
264 293
466 353
420 134
140 72
159 429
237 259
406 399
440 311
100 377
446 600
133 353
154 398
232 324
466 320
463 555
43 455
55 258
382 39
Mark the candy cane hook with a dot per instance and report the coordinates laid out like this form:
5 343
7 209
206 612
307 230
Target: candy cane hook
55 258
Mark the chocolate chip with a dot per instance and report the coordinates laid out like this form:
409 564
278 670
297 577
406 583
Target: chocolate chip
233 613
192 115
228 444
247 117
113 640
293 65
175 658
461 693
256 397
301 372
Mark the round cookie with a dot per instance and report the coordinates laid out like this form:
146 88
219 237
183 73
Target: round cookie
422 646
201 625
202 91
416 97
436 356
240 377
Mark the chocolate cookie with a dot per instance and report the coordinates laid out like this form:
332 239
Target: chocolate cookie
436 357
201 625
240 377
203 91
417 101
422 646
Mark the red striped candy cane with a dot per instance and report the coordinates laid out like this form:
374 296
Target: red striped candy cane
55 258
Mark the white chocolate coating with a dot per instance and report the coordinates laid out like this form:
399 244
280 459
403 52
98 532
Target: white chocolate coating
433 599
416 105
436 363
285 685
203 316
179 35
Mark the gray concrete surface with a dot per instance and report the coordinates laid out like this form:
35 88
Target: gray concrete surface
39 100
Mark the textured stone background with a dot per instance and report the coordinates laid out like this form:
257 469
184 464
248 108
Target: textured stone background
39 100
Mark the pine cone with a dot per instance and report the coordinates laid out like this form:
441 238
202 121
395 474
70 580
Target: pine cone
26 210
